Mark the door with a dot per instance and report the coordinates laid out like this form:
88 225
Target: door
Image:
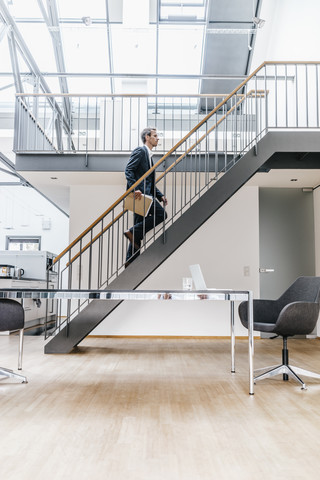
286 226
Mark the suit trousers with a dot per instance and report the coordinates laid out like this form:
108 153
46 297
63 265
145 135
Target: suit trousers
142 225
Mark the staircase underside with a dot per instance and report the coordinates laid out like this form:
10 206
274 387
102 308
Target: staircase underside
273 143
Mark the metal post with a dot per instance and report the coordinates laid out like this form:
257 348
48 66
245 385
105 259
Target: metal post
232 337
250 339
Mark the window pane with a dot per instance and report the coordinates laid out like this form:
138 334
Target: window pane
134 50
185 57
85 48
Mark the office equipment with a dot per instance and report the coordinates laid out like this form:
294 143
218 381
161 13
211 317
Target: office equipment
294 313
198 278
140 206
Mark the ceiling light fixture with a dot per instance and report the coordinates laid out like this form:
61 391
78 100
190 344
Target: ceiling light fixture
258 22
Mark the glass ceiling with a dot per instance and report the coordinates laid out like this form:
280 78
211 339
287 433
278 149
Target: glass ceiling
108 46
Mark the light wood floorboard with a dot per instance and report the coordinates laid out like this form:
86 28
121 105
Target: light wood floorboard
157 409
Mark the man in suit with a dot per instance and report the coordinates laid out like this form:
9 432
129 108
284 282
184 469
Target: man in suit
139 163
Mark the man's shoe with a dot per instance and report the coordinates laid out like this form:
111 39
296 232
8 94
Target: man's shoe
129 235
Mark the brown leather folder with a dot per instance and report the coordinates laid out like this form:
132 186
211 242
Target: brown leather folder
140 206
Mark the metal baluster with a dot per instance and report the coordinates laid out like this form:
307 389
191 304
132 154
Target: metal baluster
44 124
104 123
118 246
121 123
216 154
113 121
112 242
276 96
90 260
130 123
87 125
165 194
78 116
190 176
256 111
297 97
286 91
206 157
307 96
225 140
80 270
95 127
69 288
99 261
181 126
108 257
317 95
139 103
266 98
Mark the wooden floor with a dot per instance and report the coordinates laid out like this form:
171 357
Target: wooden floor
156 409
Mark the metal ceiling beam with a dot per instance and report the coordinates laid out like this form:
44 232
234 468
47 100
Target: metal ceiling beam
25 52
52 20
131 75
252 40
3 31
14 62
110 50
28 58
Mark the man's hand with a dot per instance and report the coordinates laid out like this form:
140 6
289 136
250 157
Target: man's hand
137 194
164 200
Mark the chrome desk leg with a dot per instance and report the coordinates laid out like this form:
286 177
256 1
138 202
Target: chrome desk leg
232 337
20 348
250 338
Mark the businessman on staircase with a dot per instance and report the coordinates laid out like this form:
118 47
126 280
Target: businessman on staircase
139 163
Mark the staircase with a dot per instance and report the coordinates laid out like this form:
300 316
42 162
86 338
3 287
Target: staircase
201 172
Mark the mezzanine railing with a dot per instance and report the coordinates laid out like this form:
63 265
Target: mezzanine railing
104 123
276 95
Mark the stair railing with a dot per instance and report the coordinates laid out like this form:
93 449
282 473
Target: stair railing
269 98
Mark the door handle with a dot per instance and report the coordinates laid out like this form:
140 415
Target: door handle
266 270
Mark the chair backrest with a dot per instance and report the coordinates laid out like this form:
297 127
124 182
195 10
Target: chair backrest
11 315
304 289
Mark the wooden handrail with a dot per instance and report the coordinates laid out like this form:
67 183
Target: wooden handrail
161 160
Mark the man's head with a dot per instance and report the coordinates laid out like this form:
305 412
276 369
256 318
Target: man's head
150 137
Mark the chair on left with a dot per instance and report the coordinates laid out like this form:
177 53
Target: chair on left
12 318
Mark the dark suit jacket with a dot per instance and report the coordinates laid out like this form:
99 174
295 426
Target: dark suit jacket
137 166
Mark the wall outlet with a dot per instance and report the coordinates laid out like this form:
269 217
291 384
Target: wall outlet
246 271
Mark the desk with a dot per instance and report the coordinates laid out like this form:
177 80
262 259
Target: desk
164 295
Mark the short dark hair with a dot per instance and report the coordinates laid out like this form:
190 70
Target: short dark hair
146 132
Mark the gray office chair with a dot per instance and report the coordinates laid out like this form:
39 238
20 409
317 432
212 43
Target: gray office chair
294 313
12 318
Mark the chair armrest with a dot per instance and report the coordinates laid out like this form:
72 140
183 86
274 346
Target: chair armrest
297 318
264 311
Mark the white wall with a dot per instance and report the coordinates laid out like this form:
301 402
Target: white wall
24 209
291 32
223 246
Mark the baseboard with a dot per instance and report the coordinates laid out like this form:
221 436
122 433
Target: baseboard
174 337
